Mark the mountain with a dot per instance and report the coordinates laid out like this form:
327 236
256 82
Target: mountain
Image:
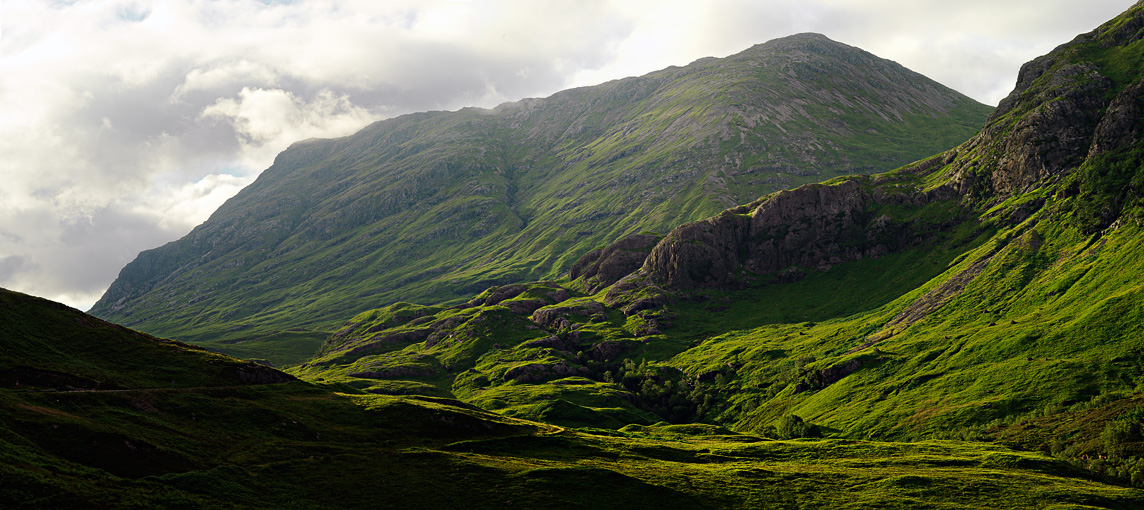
990 292
433 207
85 426
960 332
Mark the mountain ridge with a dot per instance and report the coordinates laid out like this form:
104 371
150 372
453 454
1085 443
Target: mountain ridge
435 206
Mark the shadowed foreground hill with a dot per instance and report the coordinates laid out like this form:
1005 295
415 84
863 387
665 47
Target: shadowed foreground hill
436 206
215 442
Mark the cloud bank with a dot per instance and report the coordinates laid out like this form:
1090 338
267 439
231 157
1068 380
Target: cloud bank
125 123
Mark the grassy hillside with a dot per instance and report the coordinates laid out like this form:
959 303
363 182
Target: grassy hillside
434 207
983 293
219 443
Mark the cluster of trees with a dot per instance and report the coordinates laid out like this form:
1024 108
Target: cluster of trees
669 394
677 398
1116 456
1120 440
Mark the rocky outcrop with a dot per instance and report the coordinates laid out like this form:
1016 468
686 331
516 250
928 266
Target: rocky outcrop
557 316
395 373
602 267
1052 124
818 379
634 293
503 293
550 342
1122 123
403 337
510 296
814 226
1067 105
534 372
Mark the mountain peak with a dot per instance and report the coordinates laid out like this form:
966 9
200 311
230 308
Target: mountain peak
1068 106
438 206
805 41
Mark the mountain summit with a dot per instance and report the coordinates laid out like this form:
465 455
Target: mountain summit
434 206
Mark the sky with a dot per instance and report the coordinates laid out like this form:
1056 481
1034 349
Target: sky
126 123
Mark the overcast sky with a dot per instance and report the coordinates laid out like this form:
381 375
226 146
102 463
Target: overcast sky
125 123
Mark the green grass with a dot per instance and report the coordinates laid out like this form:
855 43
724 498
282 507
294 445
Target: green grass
220 443
296 446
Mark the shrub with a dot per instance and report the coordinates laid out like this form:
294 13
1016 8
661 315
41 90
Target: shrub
792 427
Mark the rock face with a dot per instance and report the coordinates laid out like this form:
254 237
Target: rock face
1068 106
433 207
405 337
1051 137
818 379
533 372
814 226
605 266
553 316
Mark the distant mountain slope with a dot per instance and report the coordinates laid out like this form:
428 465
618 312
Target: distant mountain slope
984 293
297 445
434 206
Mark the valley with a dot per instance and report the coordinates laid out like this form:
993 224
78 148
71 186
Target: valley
492 308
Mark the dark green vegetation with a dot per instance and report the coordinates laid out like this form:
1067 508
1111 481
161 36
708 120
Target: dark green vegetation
48 345
435 207
991 292
217 442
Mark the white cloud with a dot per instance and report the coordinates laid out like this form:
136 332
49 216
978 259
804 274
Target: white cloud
266 121
123 123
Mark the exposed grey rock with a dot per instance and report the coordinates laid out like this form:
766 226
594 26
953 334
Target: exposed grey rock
551 341
525 306
403 337
394 373
605 266
549 316
537 371
503 293
808 227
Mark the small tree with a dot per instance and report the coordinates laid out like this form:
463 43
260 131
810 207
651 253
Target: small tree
791 426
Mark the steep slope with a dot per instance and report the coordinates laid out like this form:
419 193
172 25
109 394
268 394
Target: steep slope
296 445
432 207
966 295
